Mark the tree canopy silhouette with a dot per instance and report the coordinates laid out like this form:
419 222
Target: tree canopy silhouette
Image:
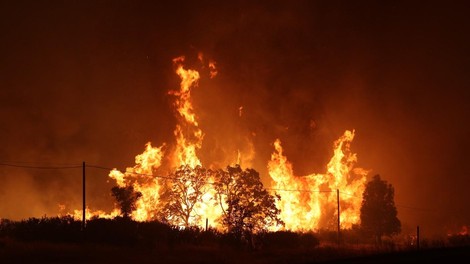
378 211
126 197
247 206
183 191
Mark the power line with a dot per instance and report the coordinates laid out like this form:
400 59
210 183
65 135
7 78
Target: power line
40 167
143 174
78 166
44 163
135 173
293 190
348 194
98 167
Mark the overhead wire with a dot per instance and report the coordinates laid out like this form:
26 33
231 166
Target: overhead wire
71 166
40 167
44 163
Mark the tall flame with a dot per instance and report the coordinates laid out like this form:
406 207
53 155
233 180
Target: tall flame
310 202
141 178
307 202
189 140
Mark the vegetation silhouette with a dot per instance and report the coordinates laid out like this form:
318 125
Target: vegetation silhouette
126 197
183 190
248 211
246 205
61 239
378 213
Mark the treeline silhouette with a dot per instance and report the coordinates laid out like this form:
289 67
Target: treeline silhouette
62 239
121 231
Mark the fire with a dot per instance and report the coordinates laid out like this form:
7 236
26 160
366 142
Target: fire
77 214
190 140
307 203
310 202
463 231
141 178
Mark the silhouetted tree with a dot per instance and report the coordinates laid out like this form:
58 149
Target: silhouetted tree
185 188
247 206
378 211
126 197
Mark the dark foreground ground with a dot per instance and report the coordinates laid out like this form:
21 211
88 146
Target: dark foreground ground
441 255
40 252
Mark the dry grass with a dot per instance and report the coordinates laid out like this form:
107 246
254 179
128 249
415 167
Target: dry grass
12 251
117 241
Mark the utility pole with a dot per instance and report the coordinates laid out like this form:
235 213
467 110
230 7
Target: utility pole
337 200
83 196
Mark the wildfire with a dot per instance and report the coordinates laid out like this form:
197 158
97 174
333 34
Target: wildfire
189 138
141 177
463 231
310 202
189 142
307 203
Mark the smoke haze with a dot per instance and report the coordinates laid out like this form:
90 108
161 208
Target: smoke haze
88 81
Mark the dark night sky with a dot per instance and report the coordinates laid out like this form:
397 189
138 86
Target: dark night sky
88 81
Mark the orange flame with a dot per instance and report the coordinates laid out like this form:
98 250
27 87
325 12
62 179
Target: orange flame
189 141
309 202
141 177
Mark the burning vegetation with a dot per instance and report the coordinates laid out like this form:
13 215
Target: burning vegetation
171 184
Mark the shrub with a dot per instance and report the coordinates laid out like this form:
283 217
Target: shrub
289 240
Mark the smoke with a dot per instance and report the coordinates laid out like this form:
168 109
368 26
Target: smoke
26 195
88 81
305 73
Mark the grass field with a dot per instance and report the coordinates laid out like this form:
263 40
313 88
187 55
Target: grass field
116 241
44 252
